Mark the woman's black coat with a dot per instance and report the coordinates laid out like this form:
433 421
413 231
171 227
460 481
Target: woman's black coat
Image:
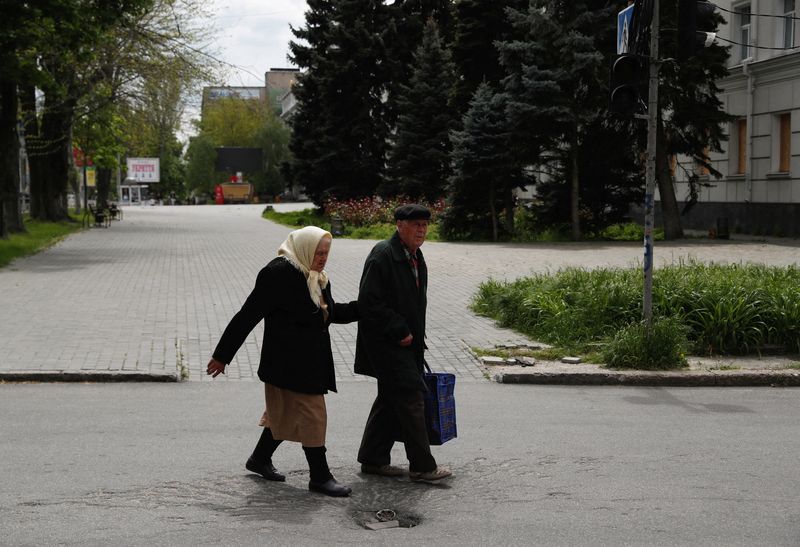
296 352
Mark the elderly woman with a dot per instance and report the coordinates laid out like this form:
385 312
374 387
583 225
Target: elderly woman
293 297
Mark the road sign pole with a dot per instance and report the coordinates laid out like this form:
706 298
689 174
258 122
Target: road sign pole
650 173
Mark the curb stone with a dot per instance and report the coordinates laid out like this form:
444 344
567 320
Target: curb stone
87 376
647 378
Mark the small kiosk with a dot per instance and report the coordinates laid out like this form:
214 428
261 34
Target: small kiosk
135 190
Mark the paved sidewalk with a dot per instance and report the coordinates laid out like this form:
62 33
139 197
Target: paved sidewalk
152 293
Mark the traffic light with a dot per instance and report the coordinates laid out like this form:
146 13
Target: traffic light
628 74
696 27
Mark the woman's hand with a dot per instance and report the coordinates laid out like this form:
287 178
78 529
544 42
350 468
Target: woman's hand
215 368
407 340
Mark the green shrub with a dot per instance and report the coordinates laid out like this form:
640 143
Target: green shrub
660 347
629 232
571 307
731 309
375 231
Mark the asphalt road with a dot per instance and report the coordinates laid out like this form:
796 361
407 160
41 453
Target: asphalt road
152 464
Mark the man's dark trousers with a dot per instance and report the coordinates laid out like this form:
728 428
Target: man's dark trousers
397 412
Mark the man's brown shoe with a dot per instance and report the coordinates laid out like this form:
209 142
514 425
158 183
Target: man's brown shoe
383 470
437 474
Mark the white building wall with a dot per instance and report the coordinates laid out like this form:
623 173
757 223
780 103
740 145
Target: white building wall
759 88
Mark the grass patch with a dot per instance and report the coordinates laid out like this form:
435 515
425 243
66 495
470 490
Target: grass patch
553 354
314 217
725 309
297 219
40 235
726 367
660 347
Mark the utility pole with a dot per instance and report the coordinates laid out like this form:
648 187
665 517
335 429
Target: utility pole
650 172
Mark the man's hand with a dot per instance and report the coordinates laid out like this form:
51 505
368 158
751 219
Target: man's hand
215 368
407 340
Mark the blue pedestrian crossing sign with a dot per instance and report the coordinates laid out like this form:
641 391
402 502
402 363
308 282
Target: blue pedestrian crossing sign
623 29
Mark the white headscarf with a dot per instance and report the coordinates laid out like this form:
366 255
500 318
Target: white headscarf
299 249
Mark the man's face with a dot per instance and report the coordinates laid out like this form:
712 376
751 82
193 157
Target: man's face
412 233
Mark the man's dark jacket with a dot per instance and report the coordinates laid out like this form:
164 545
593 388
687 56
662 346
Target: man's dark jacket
296 352
391 307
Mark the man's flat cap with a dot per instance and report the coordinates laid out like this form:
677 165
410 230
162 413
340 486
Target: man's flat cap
412 211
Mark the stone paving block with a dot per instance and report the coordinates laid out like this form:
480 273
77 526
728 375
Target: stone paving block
166 273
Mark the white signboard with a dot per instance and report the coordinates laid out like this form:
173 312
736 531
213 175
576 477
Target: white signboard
144 169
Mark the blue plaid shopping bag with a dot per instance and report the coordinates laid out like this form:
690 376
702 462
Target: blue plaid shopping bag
440 406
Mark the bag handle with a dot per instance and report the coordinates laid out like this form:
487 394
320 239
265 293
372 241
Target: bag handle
427 367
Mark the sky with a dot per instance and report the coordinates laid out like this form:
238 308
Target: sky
254 36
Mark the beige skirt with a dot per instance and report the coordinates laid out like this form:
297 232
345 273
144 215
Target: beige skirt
295 416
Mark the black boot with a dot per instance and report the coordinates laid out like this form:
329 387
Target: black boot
321 479
260 461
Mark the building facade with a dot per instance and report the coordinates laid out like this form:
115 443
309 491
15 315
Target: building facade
279 82
759 191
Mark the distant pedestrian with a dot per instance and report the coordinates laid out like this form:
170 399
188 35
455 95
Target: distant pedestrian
392 302
293 296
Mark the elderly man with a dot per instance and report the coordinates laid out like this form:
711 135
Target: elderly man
390 347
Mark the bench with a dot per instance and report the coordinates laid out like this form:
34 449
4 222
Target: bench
114 212
100 217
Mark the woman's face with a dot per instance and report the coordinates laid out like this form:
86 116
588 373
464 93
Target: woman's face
321 254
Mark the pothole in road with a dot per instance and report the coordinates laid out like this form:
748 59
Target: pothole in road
386 518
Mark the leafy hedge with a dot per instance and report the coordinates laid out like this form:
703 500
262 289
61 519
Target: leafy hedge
728 309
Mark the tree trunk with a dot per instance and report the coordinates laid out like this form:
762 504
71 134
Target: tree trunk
103 181
666 189
509 206
7 134
10 215
574 205
34 145
493 211
54 161
76 183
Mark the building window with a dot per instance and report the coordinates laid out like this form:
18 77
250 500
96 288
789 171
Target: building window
788 23
740 161
743 30
784 142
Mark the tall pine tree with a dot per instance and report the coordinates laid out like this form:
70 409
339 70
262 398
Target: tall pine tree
408 18
556 69
478 25
419 161
483 170
339 139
